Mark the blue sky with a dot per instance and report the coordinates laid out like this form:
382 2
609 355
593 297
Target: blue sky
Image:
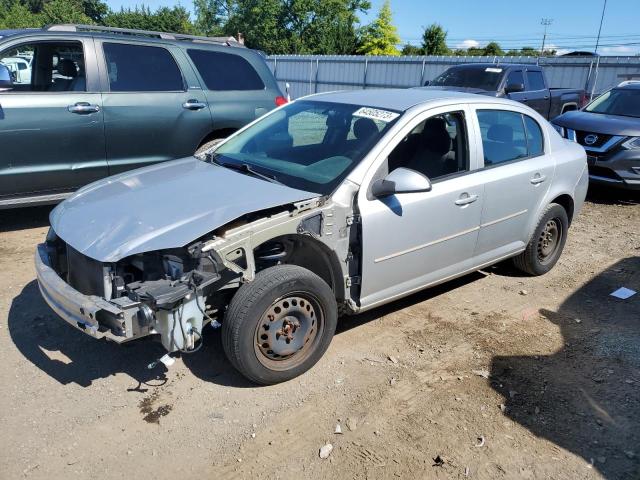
512 23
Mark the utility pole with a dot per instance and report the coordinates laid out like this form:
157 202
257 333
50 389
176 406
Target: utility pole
546 22
604 7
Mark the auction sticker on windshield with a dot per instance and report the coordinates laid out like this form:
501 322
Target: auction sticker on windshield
493 70
376 114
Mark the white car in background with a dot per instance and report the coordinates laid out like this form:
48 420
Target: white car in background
19 67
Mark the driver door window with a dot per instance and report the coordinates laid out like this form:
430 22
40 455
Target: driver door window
46 67
437 147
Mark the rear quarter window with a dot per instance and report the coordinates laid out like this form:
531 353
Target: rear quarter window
225 71
535 140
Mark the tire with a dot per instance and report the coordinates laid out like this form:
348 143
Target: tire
279 325
205 147
547 242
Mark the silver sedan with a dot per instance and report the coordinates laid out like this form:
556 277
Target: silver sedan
337 202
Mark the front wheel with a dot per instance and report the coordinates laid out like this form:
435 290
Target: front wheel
546 244
278 326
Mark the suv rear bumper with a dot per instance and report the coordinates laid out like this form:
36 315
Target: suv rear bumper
90 314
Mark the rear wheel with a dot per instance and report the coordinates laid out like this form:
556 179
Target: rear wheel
279 325
546 244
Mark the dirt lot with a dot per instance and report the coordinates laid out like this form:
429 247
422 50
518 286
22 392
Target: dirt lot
492 376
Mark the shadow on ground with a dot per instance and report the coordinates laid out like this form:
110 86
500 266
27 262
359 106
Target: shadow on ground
24 218
584 398
70 356
612 196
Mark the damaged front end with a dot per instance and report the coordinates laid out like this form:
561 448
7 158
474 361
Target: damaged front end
175 292
166 293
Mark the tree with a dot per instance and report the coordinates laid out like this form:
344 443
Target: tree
381 36
16 15
164 19
95 10
63 11
434 40
212 15
291 26
493 49
414 50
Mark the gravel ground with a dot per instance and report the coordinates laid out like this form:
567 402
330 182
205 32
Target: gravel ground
495 375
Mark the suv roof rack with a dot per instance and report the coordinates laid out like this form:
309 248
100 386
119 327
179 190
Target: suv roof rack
629 82
68 27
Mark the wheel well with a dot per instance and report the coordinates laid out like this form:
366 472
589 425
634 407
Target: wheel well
566 202
303 251
222 133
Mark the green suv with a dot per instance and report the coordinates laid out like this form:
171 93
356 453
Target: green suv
88 102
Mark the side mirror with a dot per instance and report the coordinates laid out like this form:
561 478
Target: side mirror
514 88
427 83
6 80
401 180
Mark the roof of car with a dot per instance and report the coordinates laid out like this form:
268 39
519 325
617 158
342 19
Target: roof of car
123 34
400 99
494 65
632 85
6 33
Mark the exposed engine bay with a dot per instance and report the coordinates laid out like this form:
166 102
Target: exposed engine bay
175 293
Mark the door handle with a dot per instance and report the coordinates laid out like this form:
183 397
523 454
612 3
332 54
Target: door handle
193 104
83 108
538 179
466 199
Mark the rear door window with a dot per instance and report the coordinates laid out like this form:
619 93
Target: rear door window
225 71
536 81
140 68
503 136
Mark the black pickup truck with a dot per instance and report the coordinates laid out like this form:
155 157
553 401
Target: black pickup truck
523 83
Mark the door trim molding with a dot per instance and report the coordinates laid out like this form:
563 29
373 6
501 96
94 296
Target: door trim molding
508 217
425 245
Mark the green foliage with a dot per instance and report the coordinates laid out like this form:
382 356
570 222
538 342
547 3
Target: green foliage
434 40
95 10
414 50
212 15
17 15
63 11
494 49
381 36
286 26
164 19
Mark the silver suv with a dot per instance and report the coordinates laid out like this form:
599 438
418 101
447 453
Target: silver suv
335 203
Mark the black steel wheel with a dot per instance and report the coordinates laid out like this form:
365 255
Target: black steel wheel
547 242
279 325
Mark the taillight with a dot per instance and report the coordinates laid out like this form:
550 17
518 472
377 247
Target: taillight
584 99
280 100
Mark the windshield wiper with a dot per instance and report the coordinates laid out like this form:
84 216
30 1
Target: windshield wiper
244 168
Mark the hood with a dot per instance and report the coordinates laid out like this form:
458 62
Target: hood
162 206
599 123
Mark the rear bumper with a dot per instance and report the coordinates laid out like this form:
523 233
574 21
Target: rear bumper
90 314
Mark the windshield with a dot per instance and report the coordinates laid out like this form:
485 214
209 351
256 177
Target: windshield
466 77
308 145
622 101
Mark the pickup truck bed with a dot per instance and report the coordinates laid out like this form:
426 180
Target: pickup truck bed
523 83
